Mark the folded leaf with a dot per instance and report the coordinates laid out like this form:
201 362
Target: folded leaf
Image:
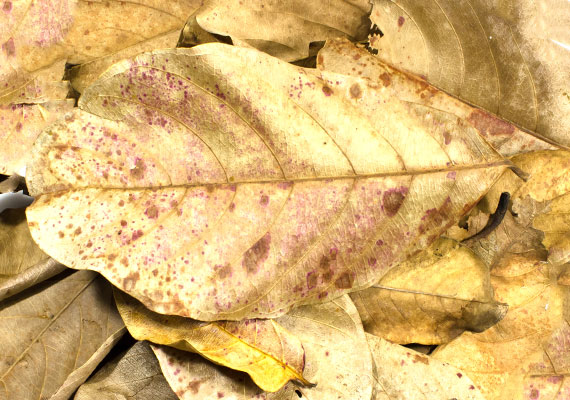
262 348
134 375
284 28
431 298
509 58
58 332
403 374
22 263
226 184
342 56
338 361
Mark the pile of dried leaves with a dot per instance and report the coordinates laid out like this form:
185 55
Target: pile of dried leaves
285 199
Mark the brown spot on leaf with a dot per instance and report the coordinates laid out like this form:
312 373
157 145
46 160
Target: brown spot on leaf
131 280
61 234
9 47
434 218
138 171
312 278
194 386
392 200
224 271
121 203
77 231
123 223
345 281
386 79
488 124
155 272
401 21
111 257
446 137
327 91
264 200
257 254
355 91
423 360
151 212
136 235
124 261
7 6
232 207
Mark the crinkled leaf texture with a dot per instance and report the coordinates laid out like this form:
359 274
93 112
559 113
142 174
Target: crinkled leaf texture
226 184
338 361
266 351
56 334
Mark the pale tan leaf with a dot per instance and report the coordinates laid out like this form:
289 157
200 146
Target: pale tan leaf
284 28
266 351
22 263
131 375
403 374
59 331
342 56
509 57
337 359
524 356
431 298
235 185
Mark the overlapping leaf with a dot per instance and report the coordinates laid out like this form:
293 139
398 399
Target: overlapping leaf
332 335
431 298
510 58
56 334
225 184
266 351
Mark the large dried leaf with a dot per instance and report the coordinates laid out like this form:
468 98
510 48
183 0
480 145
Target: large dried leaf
403 374
56 333
338 361
344 57
431 298
528 351
133 375
284 28
226 184
508 57
22 263
262 348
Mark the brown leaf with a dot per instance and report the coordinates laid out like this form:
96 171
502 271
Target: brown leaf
271 355
133 374
58 332
219 202
22 263
526 354
508 58
342 56
338 361
431 298
403 374
284 28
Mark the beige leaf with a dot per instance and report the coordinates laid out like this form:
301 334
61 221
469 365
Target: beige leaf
337 359
59 331
266 351
526 354
235 185
403 374
342 56
431 298
22 263
133 375
509 57
284 28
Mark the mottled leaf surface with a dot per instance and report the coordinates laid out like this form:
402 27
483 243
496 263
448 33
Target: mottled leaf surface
56 334
131 375
509 57
338 361
270 354
226 184
431 298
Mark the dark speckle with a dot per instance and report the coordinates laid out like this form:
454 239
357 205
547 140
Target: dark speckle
194 386
386 79
534 393
355 91
446 137
257 254
77 231
327 91
401 21
7 6
151 212
392 200
264 200
138 171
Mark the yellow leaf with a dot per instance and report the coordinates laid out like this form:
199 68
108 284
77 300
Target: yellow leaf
431 298
262 348
509 58
338 361
284 28
342 56
223 183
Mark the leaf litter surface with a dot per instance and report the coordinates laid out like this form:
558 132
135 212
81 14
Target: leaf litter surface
214 192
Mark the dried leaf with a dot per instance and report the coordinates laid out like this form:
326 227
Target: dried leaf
507 57
555 223
262 348
134 375
22 263
338 361
406 374
342 56
528 350
284 28
59 331
431 298
219 202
